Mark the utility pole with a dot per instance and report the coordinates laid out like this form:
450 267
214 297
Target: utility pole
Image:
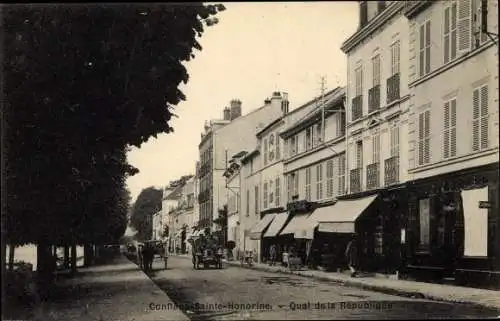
323 88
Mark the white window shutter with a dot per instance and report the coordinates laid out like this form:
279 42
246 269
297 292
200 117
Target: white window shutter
484 117
446 133
446 40
427 155
464 25
421 50
475 120
453 128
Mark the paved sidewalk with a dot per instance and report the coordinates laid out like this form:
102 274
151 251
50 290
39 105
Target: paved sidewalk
437 292
115 291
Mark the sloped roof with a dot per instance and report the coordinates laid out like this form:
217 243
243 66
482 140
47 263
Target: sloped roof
175 194
331 99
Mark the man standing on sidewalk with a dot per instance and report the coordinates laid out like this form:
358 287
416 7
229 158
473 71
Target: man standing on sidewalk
272 254
351 254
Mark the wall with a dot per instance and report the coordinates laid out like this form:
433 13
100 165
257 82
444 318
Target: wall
458 79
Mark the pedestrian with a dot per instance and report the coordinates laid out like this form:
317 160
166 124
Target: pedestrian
285 257
165 254
272 254
140 256
351 253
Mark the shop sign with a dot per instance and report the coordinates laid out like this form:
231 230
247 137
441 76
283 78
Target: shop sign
484 204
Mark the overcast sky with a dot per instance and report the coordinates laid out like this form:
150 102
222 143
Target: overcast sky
255 49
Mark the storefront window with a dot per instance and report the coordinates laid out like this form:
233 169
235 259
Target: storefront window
424 215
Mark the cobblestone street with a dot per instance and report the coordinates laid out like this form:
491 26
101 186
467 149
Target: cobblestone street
236 293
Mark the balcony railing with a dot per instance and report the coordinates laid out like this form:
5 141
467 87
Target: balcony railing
373 99
393 88
357 107
355 180
391 169
373 176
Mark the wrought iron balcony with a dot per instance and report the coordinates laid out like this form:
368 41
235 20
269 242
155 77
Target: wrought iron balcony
355 180
373 176
393 84
357 107
391 170
373 99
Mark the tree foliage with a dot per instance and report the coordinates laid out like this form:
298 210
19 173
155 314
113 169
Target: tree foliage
81 83
147 204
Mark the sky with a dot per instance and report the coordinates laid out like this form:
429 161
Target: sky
255 49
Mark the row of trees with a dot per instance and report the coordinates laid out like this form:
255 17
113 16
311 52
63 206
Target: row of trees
81 84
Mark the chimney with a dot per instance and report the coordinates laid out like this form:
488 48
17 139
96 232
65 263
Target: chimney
285 104
235 108
267 101
227 113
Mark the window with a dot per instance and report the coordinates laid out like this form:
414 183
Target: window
395 56
319 135
278 155
450 32
341 124
359 154
264 196
290 181
319 182
294 145
376 70
376 149
308 183
271 193
329 178
308 138
296 184
265 151
278 191
480 118
479 35
424 216
424 137
256 199
248 202
271 147
394 144
450 129
341 171
464 25
358 74
425 48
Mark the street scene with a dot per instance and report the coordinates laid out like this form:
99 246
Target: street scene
251 161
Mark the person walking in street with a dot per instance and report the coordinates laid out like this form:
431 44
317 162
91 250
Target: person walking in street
272 254
351 253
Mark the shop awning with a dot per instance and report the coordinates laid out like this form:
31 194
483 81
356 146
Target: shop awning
296 224
276 225
306 231
345 213
256 231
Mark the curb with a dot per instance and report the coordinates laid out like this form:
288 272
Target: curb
362 285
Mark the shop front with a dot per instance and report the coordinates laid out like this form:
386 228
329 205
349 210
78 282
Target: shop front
453 228
272 234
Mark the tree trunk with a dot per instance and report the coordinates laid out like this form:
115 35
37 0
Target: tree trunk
44 269
73 258
12 249
66 257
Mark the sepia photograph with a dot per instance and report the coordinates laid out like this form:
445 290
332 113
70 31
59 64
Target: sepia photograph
274 160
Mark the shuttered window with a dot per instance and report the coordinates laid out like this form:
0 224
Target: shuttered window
425 48
376 71
359 81
264 196
480 119
278 152
296 183
290 182
265 152
359 154
464 25
424 137
319 182
308 183
271 193
478 33
278 191
375 148
450 129
329 178
341 172
256 199
395 58
394 143
450 32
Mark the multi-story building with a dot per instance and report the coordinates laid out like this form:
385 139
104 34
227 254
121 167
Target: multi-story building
377 121
263 194
221 140
183 215
453 223
157 226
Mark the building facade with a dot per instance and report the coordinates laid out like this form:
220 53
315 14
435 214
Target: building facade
221 140
453 224
377 121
